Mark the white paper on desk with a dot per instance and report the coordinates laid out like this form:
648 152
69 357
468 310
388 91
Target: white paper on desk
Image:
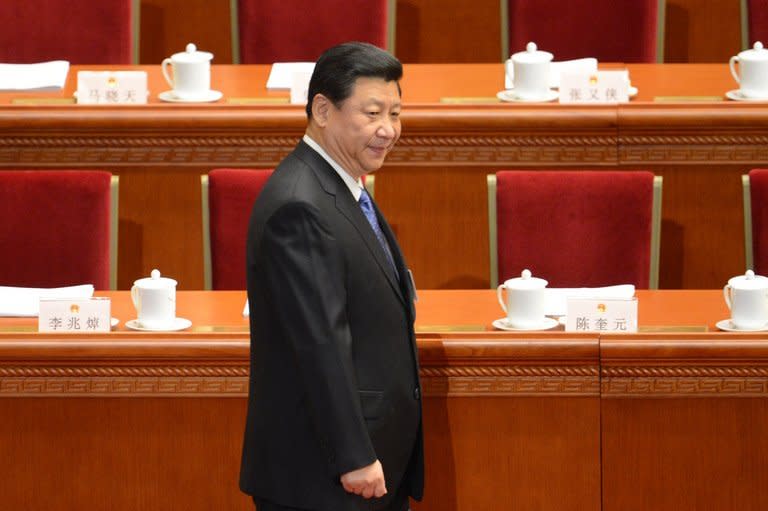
281 75
40 77
586 65
25 301
557 298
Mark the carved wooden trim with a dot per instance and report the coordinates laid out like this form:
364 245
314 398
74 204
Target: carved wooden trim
697 140
684 387
132 371
685 381
283 141
693 148
223 381
506 141
685 371
149 141
510 386
270 150
124 386
133 381
511 370
510 380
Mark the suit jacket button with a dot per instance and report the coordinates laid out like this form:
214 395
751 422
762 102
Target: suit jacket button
416 393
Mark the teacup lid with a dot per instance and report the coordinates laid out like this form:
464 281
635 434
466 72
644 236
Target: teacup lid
756 53
532 55
155 281
192 55
748 281
526 281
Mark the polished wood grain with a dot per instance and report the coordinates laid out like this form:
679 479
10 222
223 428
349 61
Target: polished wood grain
166 26
128 413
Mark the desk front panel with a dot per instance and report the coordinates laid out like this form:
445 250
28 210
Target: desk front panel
669 418
131 420
683 422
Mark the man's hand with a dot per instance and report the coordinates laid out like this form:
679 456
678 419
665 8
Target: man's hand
367 481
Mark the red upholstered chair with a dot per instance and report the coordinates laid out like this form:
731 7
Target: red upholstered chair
756 220
610 30
756 22
59 228
80 31
575 228
228 197
278 31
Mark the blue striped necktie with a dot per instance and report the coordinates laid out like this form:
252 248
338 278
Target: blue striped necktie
370 214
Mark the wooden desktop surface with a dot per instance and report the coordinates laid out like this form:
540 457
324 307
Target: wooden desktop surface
671 418
432 188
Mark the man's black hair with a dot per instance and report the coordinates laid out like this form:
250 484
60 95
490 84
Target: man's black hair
339 67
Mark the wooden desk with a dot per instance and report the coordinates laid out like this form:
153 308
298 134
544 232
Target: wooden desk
433 185
672 418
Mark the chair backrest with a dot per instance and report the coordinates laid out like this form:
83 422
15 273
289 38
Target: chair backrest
228 197
575 228
754 22
59 228
80 31
755 186
267 31
610 30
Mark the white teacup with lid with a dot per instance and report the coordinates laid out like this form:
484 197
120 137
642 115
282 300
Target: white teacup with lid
747 298
191 76
155 301
753 71
531 73
525 303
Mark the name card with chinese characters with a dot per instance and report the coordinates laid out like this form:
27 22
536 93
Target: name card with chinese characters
80 315
601 87
112 87
613 316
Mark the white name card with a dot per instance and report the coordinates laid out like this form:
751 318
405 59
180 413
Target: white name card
112 87
300 87
612 316
81 315
600 87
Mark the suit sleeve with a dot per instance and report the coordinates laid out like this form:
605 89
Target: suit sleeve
305 273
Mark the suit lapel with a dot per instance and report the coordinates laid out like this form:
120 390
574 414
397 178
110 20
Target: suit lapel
345 203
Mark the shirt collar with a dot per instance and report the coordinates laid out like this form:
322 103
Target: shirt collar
355 185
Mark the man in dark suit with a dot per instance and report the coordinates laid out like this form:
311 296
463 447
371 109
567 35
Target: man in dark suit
334 409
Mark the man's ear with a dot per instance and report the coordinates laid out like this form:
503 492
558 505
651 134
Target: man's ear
321 107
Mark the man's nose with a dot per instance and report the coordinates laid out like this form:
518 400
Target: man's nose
386 129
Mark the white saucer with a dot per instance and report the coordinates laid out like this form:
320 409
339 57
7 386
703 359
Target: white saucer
170 96
728 326
632 91
509 96
501 324
113 322
176 324
736 95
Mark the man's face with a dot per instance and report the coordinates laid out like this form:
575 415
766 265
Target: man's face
360 133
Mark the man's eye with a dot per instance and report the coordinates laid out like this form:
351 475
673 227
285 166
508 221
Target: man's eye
372 113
